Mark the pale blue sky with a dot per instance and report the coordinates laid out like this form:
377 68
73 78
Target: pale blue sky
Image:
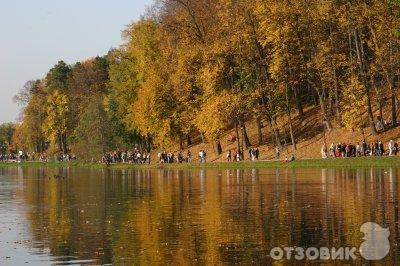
36 34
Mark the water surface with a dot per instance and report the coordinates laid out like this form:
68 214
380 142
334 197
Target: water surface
181 217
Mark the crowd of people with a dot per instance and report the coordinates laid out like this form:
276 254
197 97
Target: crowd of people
170 157
339 150
9 157
133 156
360 149
19 157
34 157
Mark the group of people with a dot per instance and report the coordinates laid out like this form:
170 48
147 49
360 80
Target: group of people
170 157
124 156
338 150
237 156
61 157
360 149
34 157
9 157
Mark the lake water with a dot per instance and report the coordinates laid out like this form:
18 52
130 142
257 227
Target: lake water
186 217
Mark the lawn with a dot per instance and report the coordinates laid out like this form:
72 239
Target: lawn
360 162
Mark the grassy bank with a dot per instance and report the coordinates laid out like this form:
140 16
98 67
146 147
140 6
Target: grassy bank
305 163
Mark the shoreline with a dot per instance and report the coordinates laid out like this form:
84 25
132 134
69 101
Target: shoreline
358 162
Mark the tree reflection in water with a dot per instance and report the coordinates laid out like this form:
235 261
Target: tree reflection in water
203 216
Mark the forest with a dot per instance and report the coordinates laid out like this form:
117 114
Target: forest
190 70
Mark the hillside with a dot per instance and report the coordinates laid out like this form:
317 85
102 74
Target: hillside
309 137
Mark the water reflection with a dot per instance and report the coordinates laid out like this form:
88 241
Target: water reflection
193 217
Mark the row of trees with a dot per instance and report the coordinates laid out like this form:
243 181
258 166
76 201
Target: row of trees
200 67
68 111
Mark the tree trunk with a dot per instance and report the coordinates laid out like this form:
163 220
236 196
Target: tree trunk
275 131
180 142
393 102
326 121
335 79
237 136
298 103
362 67
337 104
217 148
381 118
290 119
189 140
149 146
202 138
259 130
247 143
271 122
393 108
65 144
60 145
370 113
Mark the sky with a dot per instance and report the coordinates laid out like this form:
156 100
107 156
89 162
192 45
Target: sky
36 34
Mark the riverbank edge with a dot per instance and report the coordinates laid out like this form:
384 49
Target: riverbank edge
361 162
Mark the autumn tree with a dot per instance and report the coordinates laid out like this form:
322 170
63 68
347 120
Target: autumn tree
32 98
56 122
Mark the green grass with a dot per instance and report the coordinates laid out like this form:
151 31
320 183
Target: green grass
305 163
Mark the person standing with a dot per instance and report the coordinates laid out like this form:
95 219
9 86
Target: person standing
381 148
277 153
332 151
364 148
391 148
324 151
251 154
229 156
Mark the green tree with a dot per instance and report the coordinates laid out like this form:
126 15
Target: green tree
93 136
6 132
57 77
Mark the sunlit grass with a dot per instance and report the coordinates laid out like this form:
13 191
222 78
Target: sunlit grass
304 163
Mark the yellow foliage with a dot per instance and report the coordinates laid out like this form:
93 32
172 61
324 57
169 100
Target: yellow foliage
353 104
55 124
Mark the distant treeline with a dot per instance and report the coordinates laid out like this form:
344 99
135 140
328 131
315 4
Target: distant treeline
196 68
